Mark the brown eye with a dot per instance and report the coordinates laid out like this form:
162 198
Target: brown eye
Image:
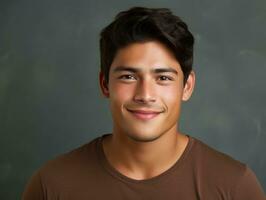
165 78
127 77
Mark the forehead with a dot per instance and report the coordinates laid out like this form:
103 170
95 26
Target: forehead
145 55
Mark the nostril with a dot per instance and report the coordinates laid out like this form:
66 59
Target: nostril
141 99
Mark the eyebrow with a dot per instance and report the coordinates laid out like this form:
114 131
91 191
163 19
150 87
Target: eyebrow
135 70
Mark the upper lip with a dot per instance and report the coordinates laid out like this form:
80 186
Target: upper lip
144 111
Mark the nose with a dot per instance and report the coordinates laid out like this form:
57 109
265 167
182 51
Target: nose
145 92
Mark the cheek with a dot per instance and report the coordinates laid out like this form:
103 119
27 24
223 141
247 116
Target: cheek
172 100
171 95
121 93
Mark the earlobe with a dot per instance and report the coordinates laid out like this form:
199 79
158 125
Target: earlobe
189 86
103 85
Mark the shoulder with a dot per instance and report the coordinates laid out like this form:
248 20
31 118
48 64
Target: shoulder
73 158
64 171
74 163
216 160
225 174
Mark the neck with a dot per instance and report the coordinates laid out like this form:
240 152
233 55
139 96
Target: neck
142 160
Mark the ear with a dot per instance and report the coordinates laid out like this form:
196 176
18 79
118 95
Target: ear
103 85
189 86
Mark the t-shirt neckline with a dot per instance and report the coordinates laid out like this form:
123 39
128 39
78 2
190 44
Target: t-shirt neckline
116 174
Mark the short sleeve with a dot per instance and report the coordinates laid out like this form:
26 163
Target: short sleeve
33 189
248 187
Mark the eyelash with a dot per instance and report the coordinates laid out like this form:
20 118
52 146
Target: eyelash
169 78
123 77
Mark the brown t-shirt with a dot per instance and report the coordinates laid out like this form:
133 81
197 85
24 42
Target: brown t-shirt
200 173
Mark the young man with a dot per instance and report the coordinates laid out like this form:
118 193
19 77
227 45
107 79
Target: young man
146 73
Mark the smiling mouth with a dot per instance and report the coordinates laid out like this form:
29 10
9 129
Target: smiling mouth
144 114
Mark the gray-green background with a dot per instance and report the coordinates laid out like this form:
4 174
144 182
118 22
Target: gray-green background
50 101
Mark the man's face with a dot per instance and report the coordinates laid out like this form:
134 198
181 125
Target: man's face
145 90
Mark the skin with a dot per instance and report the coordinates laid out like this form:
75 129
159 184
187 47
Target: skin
138 148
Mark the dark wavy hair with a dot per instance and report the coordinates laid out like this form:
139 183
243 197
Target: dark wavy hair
140 24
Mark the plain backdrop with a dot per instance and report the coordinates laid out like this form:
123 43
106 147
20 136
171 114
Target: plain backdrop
50 100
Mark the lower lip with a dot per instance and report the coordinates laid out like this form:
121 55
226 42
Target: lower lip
143 116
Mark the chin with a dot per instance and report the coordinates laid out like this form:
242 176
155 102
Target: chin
143 136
